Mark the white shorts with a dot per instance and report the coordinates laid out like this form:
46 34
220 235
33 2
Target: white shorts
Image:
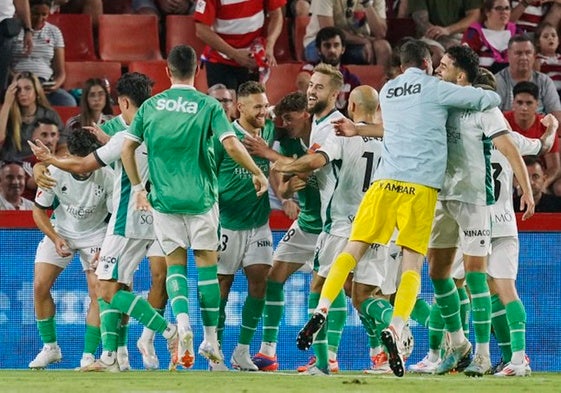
245 248
393 269
503 260
198 232
120 257
297 246
86 248
462 224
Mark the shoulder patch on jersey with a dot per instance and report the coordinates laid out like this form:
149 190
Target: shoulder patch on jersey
200 7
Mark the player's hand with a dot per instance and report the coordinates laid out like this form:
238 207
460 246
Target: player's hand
527 205
95 260
344 127
295 184
61 247
291 208
43 177
141 201
42 152
281 164
256 146
101 136
550 121
261 184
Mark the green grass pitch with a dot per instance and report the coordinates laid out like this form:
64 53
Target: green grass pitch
62 381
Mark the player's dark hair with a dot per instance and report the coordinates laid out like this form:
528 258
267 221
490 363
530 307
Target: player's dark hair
292 102
81 142
465 59
250 87
532 160
526 87
328 33
485 79
413 53
135 86
182 62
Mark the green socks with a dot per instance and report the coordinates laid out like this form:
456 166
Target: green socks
274 308
176 285
336 319
448 302
481 306
251 314
92 338
421 312
47 330
209 295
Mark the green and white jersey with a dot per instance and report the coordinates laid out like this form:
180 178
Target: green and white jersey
468 175
80 206
114 125
178 126
503 219
354 162
126 221
321 129
309 218
240 208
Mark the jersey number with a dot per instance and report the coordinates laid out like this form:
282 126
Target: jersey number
497 170
368 172
224 243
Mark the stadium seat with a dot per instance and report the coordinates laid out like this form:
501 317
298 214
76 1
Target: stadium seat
180 30
156 70
300 24
282 81
78 35
127 38
283 50
66 112
77 72
399 28
372 75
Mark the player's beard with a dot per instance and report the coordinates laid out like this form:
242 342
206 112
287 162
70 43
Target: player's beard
318 107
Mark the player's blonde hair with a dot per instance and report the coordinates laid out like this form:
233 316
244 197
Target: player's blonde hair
335 76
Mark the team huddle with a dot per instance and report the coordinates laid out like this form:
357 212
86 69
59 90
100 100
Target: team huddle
375 196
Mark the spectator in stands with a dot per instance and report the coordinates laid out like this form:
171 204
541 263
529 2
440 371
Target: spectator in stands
47 56
25 102
161 8
330 46
296 8
233 33
528 14
548 60
95 108
12 185
226 97
364 25
522 55
545 203
441 23
524 119
10 26
489 37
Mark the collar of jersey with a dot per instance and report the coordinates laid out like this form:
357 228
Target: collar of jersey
182 86
317 121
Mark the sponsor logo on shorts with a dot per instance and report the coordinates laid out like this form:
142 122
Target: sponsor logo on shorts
503 217
351 218
264 243
399 188
477 232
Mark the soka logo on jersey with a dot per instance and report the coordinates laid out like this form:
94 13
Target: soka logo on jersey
179 105
404 90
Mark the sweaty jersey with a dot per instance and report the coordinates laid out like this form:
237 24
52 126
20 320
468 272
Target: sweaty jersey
240 208
309 218
178 126
354 162
114 125
468 175
126 221
80 207
321 130
502 217
414 112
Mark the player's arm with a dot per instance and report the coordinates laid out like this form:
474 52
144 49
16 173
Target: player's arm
284 194
466 97
346 127
306 163
548 137
238 152
129 164
68 163
43 222
257 146
506 146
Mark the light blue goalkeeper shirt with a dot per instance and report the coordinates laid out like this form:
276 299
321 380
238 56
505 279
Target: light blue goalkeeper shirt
414 111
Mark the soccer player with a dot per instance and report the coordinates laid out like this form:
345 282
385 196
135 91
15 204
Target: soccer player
81 203
130 236
463 213
406 183
177 127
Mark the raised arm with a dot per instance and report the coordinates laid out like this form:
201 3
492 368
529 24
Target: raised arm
238 152
306 163
68 163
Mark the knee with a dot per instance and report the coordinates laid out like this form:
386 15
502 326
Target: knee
41 289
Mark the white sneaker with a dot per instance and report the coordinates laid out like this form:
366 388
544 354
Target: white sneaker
241 360
148 352
87 359
185 351
123 359
49 354
100 366
315 370
211 352
173 343
515 370
425 366
479 366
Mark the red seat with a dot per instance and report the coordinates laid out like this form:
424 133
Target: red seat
399 28
156 70
66 112
300 24
372 75
283 49
78 35
77 72
282 81
180 30
127 38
